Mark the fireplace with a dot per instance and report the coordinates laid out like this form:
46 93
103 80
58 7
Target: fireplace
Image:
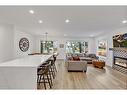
120 59
122 62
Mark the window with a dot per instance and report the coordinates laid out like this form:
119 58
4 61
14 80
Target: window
76 47
46 46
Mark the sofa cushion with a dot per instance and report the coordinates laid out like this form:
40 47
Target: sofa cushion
85 55
93 56
69 58
80 55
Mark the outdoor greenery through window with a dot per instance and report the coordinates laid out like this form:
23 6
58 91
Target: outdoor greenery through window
46 46
76 47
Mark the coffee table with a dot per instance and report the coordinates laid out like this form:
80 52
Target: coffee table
98 63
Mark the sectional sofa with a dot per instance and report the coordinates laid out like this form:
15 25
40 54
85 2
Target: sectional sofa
75 62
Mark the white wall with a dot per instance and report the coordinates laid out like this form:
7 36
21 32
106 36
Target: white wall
9 42
63 40
108 37
18 34
6 42
92 45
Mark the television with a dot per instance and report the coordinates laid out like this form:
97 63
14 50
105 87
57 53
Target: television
120 40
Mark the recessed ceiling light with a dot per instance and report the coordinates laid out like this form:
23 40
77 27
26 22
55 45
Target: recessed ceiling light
124 21
65 35
67 20
40 21
31 11
91 35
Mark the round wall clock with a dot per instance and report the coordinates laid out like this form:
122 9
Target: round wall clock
24 44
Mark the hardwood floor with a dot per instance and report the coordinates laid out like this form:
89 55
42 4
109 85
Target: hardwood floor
94 78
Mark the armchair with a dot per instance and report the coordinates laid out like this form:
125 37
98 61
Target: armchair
77 66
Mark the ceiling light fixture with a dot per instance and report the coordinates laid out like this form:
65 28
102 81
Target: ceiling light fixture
65 35
124 21
67 20
31 11
40 21
91 35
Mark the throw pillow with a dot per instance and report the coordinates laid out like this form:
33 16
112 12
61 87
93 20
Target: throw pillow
76 58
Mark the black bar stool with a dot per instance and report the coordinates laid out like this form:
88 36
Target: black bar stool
53 69
44 75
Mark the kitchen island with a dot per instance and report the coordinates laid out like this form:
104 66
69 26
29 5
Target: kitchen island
21 73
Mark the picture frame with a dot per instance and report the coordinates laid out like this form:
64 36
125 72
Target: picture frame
102 48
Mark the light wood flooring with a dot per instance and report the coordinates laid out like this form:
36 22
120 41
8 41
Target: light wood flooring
94 78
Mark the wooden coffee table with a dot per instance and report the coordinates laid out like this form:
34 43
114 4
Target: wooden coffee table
98 63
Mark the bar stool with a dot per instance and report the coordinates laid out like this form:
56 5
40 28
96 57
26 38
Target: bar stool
50 70
54 62
53 69
44 76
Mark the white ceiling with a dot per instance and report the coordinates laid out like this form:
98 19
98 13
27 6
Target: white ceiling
84 20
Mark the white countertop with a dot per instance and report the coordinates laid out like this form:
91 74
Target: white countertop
27 61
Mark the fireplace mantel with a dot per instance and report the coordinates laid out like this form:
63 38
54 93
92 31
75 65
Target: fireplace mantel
118 49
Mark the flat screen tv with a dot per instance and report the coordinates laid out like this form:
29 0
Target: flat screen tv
120 40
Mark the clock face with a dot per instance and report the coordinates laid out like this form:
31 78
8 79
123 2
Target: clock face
24 44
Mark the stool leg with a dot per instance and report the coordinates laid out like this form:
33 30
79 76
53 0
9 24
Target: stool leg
55 67
49 81
44 82
53 74
50 78
39 79
54 71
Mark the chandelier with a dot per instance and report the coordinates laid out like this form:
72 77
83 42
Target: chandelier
46 43
46 34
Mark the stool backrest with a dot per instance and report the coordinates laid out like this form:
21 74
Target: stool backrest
54 57
47 67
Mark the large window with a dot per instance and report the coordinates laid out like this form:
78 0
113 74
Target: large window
76 47
49 46
46 46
